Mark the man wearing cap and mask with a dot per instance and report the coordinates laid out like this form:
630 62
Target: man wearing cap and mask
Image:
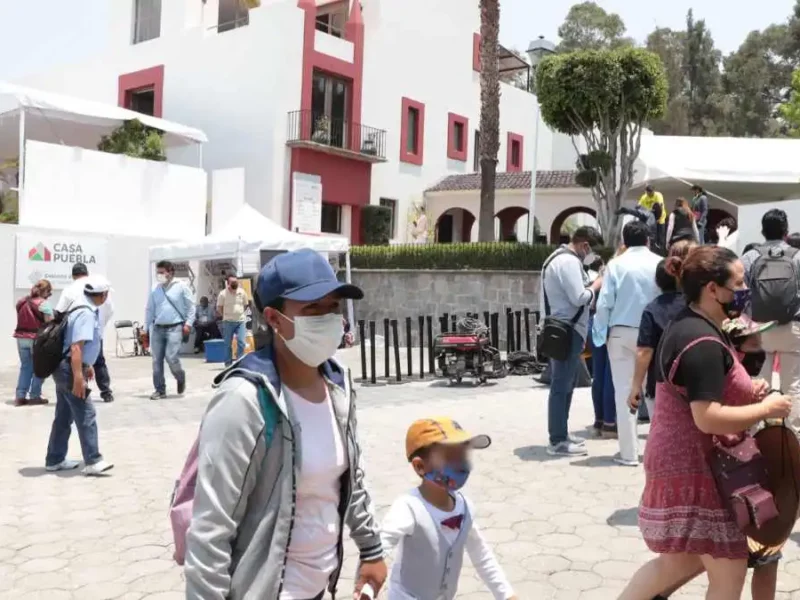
279 464
82 340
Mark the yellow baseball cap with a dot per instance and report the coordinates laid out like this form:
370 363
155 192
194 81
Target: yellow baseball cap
441 430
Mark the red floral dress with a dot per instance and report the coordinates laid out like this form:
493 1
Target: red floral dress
681 510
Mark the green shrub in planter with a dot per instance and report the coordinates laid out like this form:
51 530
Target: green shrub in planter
376 224
490 256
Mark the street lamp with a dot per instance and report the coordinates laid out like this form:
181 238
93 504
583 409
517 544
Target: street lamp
537 50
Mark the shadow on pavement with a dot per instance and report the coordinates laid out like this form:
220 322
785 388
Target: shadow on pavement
536 454
29 472
467 383
624 517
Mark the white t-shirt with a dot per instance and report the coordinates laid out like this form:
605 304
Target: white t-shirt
399 523
74 291
312 553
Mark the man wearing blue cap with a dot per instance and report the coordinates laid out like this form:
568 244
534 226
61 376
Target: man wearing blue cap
279 464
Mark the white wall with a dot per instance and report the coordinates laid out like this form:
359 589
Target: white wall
128 270
88 190
237 86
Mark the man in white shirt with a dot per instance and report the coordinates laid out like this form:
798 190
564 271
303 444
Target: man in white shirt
232 306
74 292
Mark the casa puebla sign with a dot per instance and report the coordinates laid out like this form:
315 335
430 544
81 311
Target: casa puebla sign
51 257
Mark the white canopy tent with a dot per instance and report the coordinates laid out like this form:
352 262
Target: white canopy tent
737 170
243 237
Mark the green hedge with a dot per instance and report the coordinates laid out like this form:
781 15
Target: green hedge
492 256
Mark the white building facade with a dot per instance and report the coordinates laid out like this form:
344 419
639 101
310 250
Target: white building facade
378 100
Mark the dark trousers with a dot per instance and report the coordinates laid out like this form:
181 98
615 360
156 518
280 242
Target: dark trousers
203 332
605 408
101 374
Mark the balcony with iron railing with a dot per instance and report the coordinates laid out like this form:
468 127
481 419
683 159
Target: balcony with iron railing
309 129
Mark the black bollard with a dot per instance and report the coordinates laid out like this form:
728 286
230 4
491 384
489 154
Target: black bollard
526 313
398 374
518 327
486 319
363 344
421 347
445 322
372 378
386 349
495 327
453 321
509 331
409 357
431 362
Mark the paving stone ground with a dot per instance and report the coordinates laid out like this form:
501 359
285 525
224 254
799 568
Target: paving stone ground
563 529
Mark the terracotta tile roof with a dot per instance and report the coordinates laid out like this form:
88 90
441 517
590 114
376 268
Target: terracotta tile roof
507 181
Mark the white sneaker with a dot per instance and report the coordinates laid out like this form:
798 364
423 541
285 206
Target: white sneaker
623 462
578 441
567 449
98 468
64 465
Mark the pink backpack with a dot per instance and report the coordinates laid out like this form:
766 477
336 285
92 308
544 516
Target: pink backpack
180 511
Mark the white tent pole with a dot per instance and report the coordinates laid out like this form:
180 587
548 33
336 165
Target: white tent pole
200 155
349 279
21 160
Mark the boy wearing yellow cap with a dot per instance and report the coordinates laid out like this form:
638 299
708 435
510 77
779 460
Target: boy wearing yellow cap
433 524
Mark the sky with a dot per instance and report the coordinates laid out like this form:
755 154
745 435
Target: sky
42 34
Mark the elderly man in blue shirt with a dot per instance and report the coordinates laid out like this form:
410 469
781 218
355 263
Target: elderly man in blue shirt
169 317
82 340
629 286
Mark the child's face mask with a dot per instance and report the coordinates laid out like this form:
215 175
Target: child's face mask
449 467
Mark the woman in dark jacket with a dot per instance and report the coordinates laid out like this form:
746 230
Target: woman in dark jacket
681 224
33 311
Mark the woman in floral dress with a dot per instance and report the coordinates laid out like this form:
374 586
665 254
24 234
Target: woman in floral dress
702 390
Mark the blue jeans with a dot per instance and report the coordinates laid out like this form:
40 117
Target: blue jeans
165 343
69 409
605 408
28 384
101 375
563 376
229 329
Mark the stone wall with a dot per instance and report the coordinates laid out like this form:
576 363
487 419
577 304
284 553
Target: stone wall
397 294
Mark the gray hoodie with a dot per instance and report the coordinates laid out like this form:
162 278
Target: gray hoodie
244 501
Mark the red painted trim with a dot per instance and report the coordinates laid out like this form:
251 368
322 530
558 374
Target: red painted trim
476 52
511 139
452 150
414 158
140 80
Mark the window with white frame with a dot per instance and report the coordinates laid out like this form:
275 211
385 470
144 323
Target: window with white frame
146 20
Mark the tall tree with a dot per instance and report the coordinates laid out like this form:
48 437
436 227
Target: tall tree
790 110
670 45
588 26
703 79
606 98
490 115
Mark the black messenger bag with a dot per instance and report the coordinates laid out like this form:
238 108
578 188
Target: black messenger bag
555 338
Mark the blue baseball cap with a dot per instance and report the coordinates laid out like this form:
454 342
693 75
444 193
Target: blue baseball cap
302 275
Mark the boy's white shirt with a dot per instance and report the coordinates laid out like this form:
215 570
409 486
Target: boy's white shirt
399 523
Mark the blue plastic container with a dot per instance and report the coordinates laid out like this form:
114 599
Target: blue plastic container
215 351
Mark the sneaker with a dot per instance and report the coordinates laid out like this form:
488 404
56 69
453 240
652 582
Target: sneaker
38 401
158 396
98 468
108 398
609 432
578 441
625 463
567 449
64 465
181 387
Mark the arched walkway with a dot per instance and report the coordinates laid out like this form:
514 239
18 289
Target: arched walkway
454 225
558 222
508 219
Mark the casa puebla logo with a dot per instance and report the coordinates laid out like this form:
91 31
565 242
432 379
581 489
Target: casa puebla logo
61 253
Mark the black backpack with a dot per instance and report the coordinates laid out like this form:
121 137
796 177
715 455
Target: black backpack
775 280
48 347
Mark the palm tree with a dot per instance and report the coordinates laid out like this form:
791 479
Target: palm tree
490 115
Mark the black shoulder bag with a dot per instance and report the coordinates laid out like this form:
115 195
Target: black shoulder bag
555 338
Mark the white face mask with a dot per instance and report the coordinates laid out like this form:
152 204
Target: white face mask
316 339
161 278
